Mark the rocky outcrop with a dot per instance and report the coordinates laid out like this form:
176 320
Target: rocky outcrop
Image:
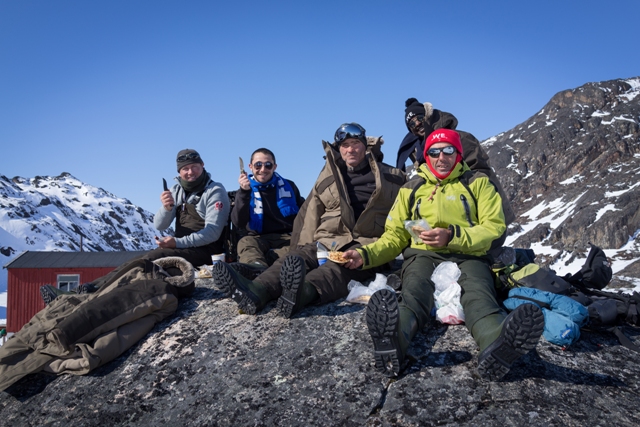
571 170
211 366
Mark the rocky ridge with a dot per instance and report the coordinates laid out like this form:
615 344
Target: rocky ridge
572 172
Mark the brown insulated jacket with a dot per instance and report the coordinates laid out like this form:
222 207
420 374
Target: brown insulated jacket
75 334
327 216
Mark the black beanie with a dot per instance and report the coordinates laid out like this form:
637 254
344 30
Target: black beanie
186 157
413 108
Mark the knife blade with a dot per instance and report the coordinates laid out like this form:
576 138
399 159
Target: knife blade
242 166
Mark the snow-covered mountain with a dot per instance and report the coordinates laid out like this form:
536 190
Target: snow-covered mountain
572 173
58 213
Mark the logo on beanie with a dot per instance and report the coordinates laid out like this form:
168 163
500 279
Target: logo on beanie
410 114
439 136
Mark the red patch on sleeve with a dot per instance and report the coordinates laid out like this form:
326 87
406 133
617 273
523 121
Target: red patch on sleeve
218 206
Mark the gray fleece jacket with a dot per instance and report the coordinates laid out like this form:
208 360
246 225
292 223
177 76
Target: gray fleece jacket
213 206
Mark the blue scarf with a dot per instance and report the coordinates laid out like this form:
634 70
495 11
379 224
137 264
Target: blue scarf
287 202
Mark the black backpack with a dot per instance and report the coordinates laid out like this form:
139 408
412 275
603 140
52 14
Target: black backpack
608 311
596 272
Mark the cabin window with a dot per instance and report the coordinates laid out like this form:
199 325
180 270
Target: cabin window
68 282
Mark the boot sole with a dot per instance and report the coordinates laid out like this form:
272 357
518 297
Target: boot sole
382 322
47 295
292 274
520 334
223 279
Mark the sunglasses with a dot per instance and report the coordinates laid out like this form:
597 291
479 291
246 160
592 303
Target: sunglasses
189 156
267 165
349 130
416 121
435 152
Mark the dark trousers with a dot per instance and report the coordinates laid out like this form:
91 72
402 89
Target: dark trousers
478 297
329 279
263 249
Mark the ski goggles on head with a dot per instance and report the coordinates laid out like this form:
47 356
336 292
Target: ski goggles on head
188 156
350 130
435 152
267 165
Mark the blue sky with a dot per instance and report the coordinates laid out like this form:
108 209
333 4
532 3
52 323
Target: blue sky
110 91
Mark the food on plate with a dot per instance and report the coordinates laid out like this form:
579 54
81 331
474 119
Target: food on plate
336 256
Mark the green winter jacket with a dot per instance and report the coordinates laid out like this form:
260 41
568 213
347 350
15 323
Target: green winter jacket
466 202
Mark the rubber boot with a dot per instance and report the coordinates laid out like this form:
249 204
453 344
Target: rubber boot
518 335
250 296
296 292
407 329
487 330
248 271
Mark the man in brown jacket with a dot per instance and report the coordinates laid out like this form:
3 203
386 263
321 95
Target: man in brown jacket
347 208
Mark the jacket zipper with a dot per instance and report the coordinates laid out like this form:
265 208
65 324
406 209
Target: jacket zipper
416 213
467 209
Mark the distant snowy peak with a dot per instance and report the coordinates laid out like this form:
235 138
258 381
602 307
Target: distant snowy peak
572 171
57 213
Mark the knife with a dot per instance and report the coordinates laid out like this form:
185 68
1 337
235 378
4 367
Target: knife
166 188
242 166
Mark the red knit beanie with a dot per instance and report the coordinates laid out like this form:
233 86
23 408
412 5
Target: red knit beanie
442 135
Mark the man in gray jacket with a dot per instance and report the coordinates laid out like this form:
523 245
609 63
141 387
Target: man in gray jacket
200 207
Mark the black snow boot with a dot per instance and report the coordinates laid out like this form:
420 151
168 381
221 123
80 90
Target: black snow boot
520 333
296 293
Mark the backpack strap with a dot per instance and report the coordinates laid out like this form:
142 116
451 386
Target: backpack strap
419 182
464 180
540 303
624 340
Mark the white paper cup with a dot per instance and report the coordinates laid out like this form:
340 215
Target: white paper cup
217 258
322 257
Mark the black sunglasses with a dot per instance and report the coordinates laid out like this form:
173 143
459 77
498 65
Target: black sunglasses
350 130
435 152
267 165
416 121
188 156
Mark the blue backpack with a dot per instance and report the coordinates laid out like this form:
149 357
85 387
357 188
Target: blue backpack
563 316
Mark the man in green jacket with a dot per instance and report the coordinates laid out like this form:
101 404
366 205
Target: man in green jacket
465 214
346 208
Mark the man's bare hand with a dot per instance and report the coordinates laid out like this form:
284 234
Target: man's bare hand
166 242
438 237
243 180
355 260
167 200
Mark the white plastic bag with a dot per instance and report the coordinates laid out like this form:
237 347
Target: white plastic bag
360 294
447 294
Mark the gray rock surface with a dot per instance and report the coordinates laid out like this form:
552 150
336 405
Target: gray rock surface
208 365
